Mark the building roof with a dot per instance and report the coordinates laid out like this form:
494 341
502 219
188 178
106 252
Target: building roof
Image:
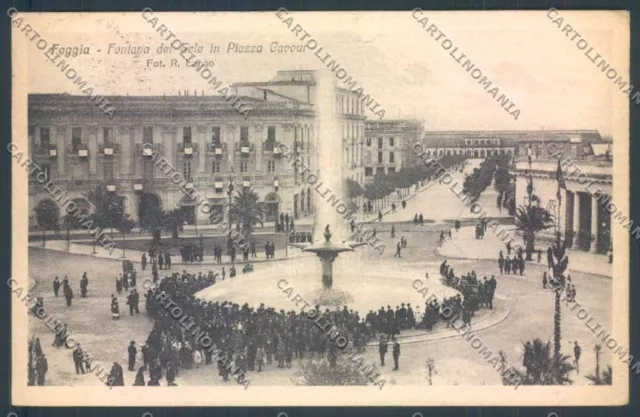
508 137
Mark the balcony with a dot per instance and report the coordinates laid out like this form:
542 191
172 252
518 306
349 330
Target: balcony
81 150
217 148
272 146
148 149
188 149
110 149
244 148
45 150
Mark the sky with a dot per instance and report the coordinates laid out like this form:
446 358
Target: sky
539 68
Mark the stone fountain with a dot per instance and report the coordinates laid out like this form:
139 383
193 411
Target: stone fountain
327 251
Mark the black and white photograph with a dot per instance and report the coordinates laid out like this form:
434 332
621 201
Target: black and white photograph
321 208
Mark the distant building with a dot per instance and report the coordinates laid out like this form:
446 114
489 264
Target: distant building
389 145
581 214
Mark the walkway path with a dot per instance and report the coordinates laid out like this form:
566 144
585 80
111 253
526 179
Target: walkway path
464 245
136 256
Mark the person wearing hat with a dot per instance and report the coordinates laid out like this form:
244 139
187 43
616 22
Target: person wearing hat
132 355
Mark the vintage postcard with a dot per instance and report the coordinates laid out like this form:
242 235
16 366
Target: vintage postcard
285 208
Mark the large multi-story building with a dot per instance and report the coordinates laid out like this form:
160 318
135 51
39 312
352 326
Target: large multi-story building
203 137
389 145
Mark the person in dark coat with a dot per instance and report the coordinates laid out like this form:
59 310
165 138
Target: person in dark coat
139 382
68 293
544 280
144 261
77 360
116 377
56 286
382 349
42 366
84 284
396 354
171 375
132 351
501 262
160 261
119 284
130 303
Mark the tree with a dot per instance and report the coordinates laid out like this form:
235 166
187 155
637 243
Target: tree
541 366
354 190
558 261
125 226
47 216
321 373
107 210
247 210
530 220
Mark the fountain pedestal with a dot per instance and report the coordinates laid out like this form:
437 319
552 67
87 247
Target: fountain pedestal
327 258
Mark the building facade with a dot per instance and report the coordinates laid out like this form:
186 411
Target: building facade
480 144
389 145
203 137
587 166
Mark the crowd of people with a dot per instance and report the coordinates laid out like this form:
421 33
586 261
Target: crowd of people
285 225
37 363
252 338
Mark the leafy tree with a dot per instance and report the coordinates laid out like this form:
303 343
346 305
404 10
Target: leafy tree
321 373
542 367
47 216
530 220
354 190
247 210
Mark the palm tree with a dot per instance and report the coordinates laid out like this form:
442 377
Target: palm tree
542 367
530 220
606 377
248 210
558 260
47 216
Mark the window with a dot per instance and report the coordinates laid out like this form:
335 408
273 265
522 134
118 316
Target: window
44 137
78 172
186 169
391 140
379 170
107 135
379 143
215 168
271 134
215 134
391 170
368 172
391 157
46 168
147 134
379 157
186 135
107 171
76 138
368 141
244 166
271 166
244 134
